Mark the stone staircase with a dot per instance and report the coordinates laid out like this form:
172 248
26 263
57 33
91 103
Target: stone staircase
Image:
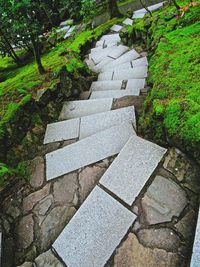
105 217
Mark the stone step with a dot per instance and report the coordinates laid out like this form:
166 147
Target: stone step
80 108
116 28
134 73
112 52
88 125
114 93
111 38
195 251
132 168
141 12
126 57
128 21
94 232
88 151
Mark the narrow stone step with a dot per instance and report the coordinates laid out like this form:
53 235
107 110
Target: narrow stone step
126 57
62 130
135 84
102 63
106 85
141 12
87 151
97 57
128 21
94 232
100 43
80 108
134 73
116 28
195 251
114 93
132 168
139 62
98 122
111 38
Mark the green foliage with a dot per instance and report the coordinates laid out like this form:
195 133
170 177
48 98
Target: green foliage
88 9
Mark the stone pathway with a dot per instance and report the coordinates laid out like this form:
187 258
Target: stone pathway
104 196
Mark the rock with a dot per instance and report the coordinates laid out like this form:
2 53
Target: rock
65 188
42 207
13 211
186 226
133 254
30 201
25 231
53 224
27 264
44 149
88 178
47 259
176 163
163 238
68 142
36 172
163 200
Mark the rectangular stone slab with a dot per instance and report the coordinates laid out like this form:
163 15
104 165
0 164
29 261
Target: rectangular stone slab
80 108
130 171
126 65
63 130
116 28
94 232
106 85
106 76
135 83
128 21
115 93
118 51
134 73
87 151
98 122
111 38
97 57
127 57
100 43
102 63
139 62
196 252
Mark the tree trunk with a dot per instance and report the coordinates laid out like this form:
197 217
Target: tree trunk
145 7
37 55
113 9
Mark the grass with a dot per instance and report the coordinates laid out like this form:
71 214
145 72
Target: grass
172 109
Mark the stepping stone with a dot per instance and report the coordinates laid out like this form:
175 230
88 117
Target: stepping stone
94 232
116 28
106 85
87 151
115 93
139 15
196 252
128 21
135 84
111 38
127 57
130 171
139 62
62 130
98 122
80 108
134 73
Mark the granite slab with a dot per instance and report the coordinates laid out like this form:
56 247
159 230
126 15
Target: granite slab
128 21
106 85
139 62
106 76
94 232
135 84
196 252
115 93
116 28
134 73
133 167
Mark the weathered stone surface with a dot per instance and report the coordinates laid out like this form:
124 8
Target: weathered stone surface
133 254
140 61
176 163
98 122
163 238
94 232
30 201
88 150
116 28
42 207
130 171
88 178
106 85
123 66
26 264
114 93
62 130
65 188
135 83
74 109
186 225
36 172
100 43
54 223
134 73
48 259
127 57
25 231
163 200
